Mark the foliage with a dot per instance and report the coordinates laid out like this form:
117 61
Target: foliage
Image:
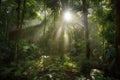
98 75
36 42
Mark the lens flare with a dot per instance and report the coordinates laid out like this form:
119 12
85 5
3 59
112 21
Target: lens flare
67 16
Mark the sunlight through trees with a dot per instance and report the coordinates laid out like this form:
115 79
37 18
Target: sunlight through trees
59 40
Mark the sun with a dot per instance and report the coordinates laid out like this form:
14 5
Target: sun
67 16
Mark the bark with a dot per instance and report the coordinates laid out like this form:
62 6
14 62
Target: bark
18 26
45 19
23 13
86 31
18 13
0 6
117 40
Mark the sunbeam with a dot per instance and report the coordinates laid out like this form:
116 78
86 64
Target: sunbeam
66 39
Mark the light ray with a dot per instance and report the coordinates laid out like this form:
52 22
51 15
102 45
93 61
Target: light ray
66 39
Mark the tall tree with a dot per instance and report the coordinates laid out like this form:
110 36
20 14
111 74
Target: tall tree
85 21
23 13
18 13
18 27
0 6
117 41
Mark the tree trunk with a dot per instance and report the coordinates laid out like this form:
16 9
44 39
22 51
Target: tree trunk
0 6
45 19
18 26
117 40
23 13
86 32
18 13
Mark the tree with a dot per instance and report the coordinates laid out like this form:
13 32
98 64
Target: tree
0 6
23 13
85 13
117 40
18 27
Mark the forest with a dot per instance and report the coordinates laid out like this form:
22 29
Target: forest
59 39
